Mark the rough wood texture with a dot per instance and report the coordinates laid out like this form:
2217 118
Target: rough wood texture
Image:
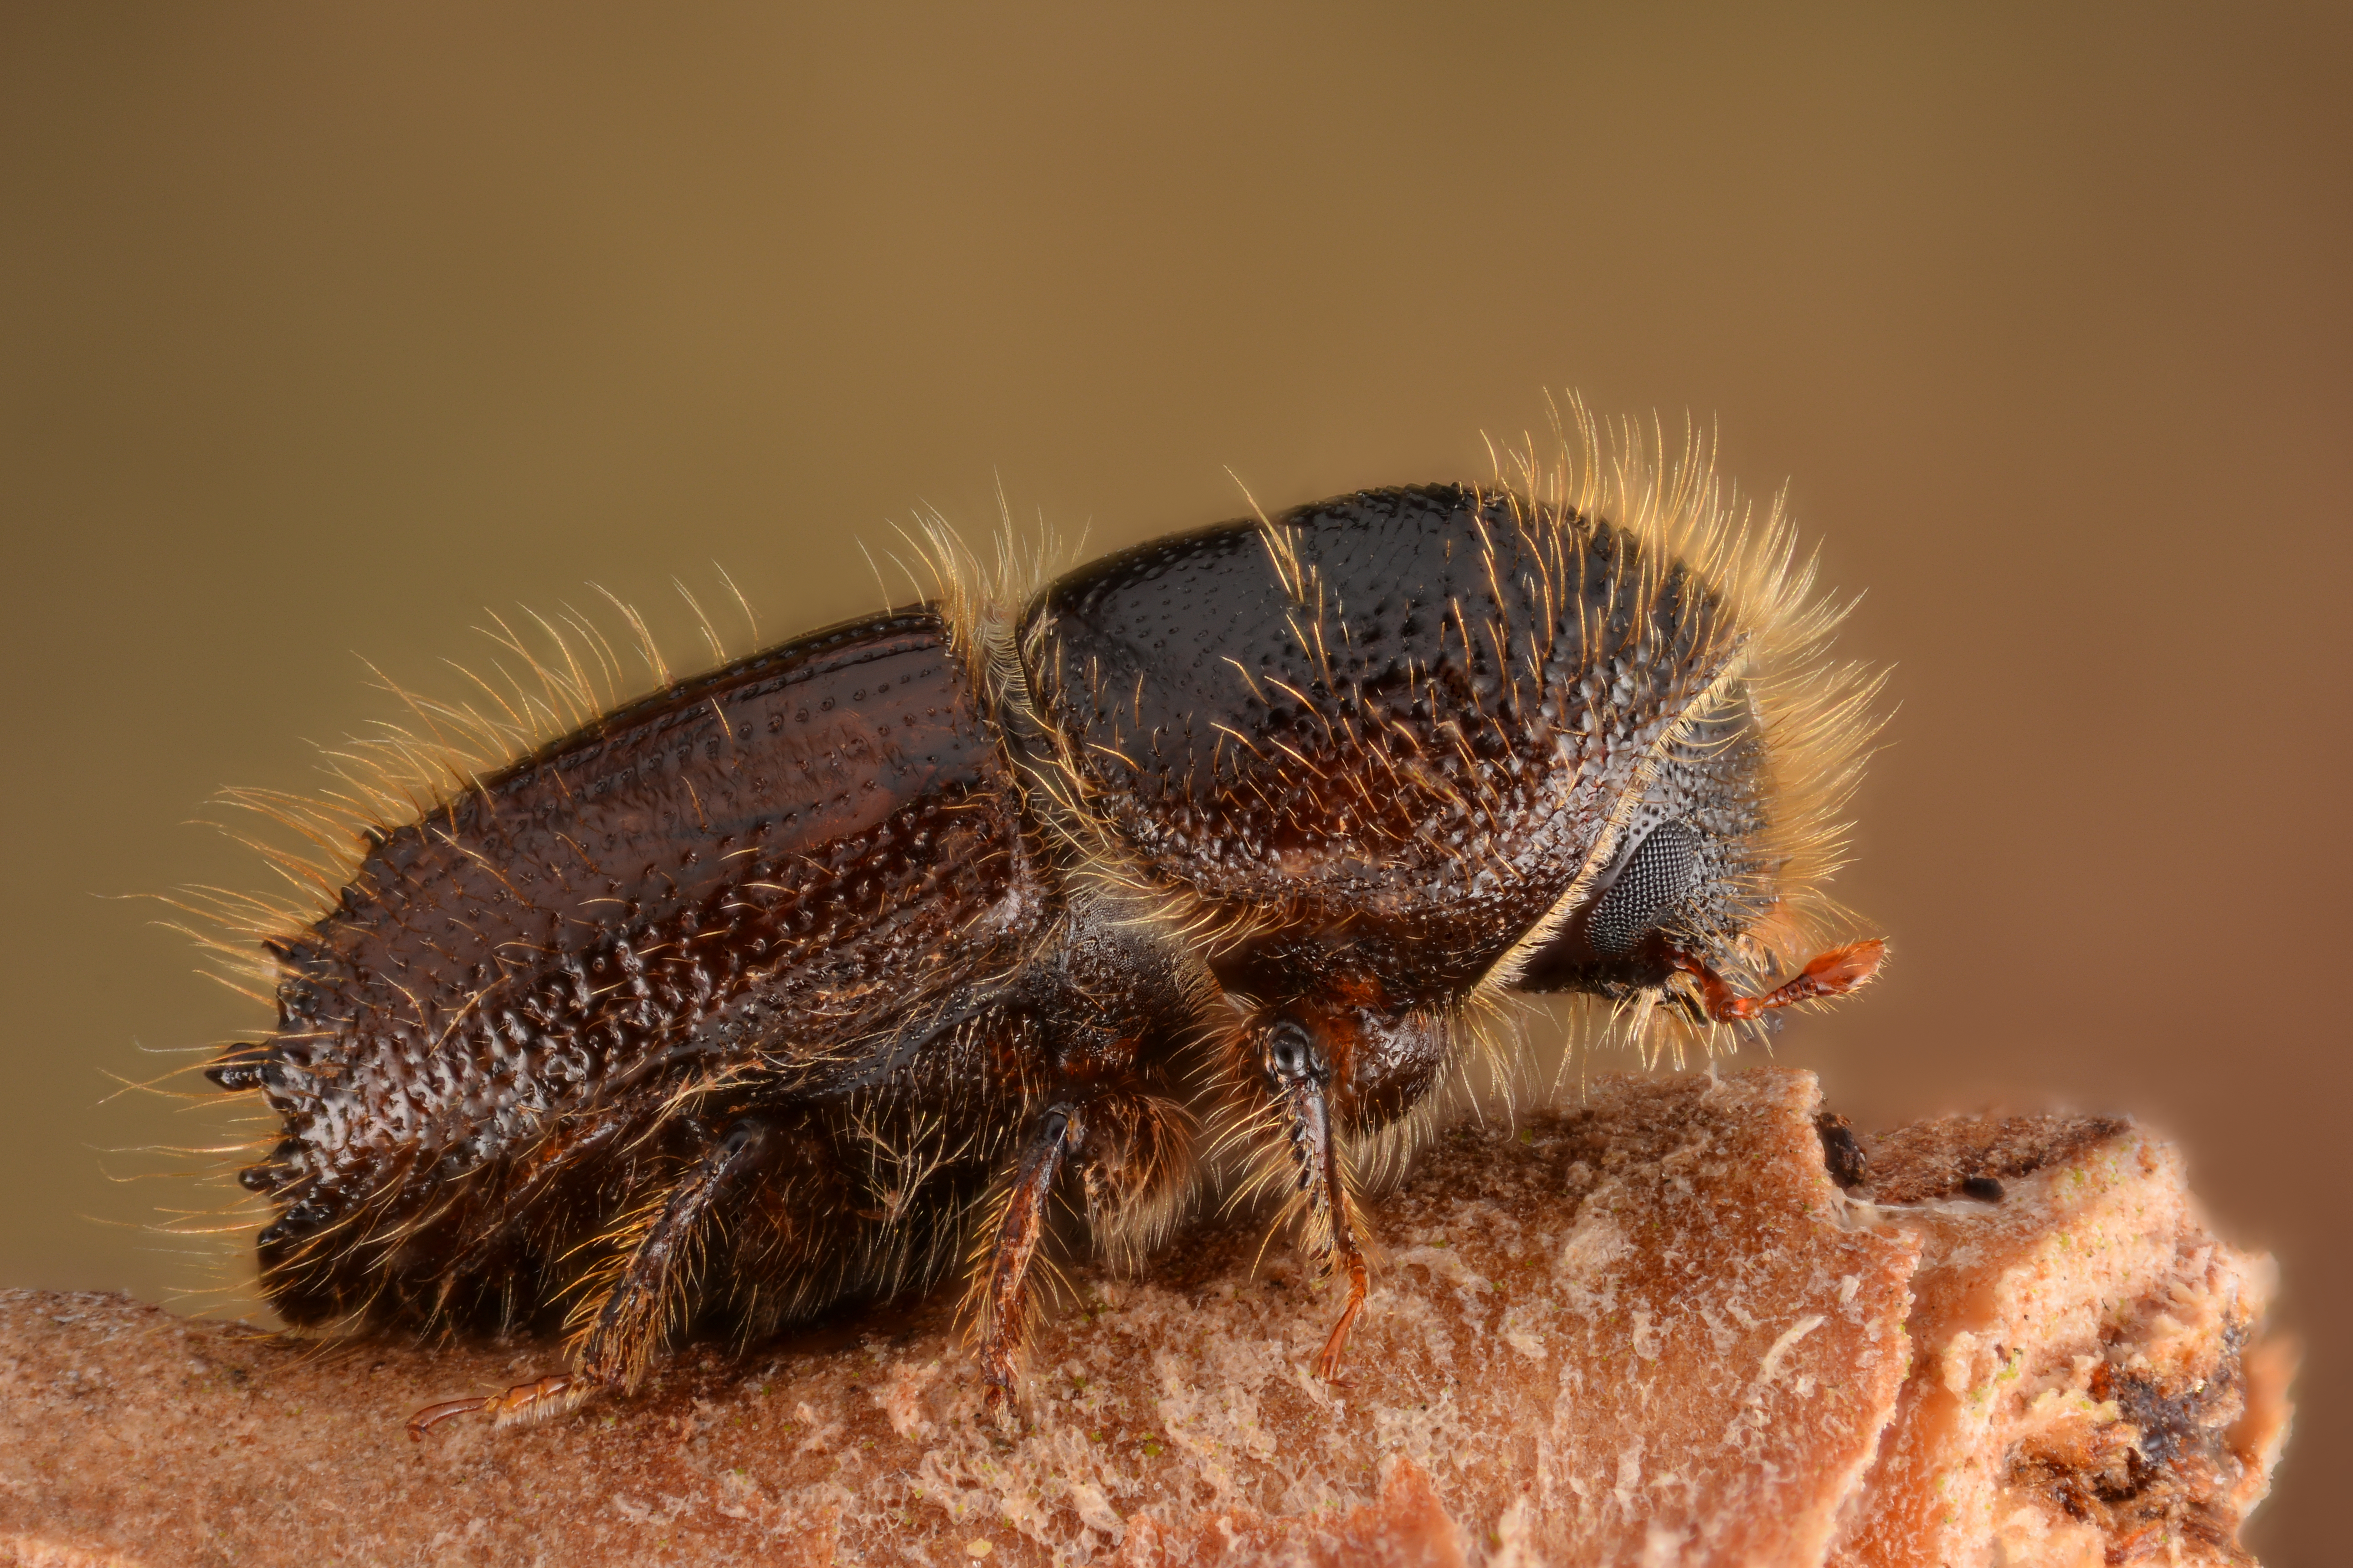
1649 1331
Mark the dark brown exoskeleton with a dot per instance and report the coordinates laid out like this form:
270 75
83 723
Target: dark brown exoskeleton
811 976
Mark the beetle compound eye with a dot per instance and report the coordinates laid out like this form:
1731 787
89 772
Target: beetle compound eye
1656 879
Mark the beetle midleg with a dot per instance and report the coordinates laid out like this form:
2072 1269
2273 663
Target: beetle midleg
627 1321
1133 1151
1004 1300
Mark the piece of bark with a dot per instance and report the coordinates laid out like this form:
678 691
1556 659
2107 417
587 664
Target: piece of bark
1650 1329
2085 1392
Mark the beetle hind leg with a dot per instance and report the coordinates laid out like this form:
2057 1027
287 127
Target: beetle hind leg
626 1326
626 1319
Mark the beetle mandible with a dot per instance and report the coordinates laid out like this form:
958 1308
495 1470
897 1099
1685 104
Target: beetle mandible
826 973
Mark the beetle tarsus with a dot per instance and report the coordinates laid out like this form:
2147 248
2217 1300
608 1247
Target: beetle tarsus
1327 1362
521 1402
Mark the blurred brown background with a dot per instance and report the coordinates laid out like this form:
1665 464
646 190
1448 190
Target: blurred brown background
321 328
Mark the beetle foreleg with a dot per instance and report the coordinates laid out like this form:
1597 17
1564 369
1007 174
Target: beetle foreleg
1301 1077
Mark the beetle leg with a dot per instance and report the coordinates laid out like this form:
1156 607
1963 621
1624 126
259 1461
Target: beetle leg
628 1320
1299 1075
521 1403
628 1325
1004 1300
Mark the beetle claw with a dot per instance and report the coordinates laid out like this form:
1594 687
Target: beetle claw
521 1402
432 1415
